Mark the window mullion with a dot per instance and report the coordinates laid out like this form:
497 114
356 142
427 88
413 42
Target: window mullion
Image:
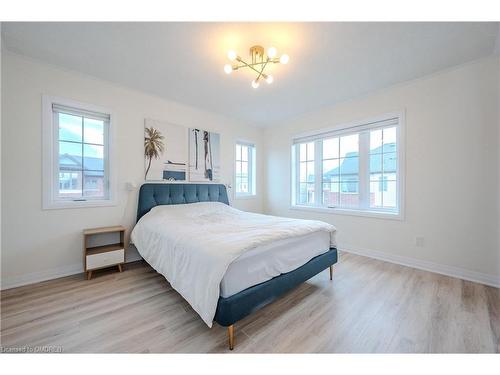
250 170
241 175
254 170
382 169
247 176
297 174
55 164
83 157
107 169
318 173
364 170
237 172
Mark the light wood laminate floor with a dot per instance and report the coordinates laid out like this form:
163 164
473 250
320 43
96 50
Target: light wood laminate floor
370 306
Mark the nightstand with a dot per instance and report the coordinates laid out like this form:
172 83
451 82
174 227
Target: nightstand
103 256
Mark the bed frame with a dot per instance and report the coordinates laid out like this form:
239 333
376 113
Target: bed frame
236 307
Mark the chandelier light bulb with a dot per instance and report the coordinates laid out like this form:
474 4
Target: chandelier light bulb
232 55
228 68
269 79
255 84
284 59
271 52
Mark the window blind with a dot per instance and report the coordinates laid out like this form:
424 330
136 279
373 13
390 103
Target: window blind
243 143
352 129
80 112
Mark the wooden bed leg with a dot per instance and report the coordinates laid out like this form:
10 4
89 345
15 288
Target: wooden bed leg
331 272
230 336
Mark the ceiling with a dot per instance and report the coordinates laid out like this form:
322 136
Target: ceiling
329 62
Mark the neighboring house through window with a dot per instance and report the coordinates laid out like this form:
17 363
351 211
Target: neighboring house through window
245 169
77 162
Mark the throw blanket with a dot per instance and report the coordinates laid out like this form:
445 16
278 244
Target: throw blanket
192 245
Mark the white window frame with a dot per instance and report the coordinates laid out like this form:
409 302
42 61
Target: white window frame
347 128
252 168
50 172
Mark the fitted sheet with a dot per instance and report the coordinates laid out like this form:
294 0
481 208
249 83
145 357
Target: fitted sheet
267 261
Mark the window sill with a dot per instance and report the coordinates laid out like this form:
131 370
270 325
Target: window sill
346 211
57 205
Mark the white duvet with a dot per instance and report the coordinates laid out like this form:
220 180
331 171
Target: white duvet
192 245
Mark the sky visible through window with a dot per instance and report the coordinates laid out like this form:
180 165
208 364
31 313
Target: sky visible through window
70 129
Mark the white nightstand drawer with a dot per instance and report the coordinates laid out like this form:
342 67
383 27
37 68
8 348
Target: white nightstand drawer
105 259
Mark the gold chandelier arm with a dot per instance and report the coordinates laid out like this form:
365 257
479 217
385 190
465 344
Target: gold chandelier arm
274 61
261 71
250 66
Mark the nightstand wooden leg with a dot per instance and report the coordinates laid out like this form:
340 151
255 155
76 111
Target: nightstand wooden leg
230 336
120 268
89 275
331 272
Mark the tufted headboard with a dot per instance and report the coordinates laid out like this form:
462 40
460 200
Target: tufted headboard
151 195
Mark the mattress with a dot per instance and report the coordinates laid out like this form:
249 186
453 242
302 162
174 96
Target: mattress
267 261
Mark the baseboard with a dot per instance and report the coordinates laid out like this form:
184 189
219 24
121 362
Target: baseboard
460 273
133 256
53 273
36 277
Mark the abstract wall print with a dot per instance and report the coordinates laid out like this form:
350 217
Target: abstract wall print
204 155
165 151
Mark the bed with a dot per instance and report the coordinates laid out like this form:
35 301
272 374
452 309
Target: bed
226 263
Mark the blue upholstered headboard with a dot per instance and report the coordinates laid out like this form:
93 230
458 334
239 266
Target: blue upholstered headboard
151 195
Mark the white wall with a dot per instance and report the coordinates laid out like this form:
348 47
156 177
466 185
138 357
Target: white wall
452 168
498 143
0 144
497 54
41 244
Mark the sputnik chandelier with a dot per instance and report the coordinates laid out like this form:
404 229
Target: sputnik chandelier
258 64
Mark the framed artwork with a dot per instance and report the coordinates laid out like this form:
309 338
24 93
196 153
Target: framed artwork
165 151
204 155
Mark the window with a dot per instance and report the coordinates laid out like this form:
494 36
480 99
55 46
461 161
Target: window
76 154
350 168
245 169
